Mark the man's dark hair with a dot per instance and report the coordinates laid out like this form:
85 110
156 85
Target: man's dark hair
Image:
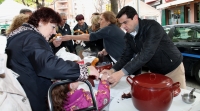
23 11
128 10
3 31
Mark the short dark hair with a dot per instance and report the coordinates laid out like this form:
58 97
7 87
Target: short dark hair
23 11
128 10
3 31
46 15
79 17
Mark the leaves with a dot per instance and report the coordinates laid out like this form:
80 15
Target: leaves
34 3
1 1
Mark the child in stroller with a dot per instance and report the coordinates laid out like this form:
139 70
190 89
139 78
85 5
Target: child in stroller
68 98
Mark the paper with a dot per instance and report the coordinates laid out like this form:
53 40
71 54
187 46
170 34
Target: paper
62 53
88 59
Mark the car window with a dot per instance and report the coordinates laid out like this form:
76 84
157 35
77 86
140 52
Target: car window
183 34
198 36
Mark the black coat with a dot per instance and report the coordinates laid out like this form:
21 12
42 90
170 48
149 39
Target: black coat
30 55
151 47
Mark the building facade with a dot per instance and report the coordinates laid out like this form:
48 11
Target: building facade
179 11
74 7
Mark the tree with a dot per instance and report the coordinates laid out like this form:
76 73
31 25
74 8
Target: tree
1 1
121 3
114 6
99 5
36 3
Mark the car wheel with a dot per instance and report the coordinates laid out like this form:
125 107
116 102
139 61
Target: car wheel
197 73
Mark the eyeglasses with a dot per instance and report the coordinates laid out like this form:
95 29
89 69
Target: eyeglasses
53 26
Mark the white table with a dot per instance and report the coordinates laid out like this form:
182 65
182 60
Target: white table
118 104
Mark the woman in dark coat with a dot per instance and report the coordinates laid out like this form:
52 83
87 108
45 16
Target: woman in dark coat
30 55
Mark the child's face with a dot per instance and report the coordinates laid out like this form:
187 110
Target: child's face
74 85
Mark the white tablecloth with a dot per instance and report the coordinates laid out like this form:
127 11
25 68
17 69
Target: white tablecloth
118 104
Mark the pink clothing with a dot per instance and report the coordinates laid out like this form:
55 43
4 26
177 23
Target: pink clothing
81 99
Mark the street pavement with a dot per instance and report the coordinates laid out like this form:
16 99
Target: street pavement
191 83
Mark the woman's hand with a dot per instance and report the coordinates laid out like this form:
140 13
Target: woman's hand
115 77
93 72
103 52
65 38
74 85
106 71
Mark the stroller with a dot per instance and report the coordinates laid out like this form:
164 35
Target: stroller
93 108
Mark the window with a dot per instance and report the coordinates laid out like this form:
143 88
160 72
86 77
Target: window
183 34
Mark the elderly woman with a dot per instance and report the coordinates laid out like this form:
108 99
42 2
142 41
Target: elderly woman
111 34
30 55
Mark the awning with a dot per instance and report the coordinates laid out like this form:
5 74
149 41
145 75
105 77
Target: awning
9 9
165 5
149 1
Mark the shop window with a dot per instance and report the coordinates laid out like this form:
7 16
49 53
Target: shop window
198 12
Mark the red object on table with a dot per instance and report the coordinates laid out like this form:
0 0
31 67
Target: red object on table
80 62
152 91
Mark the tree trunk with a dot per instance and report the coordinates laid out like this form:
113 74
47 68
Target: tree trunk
43 3
114 6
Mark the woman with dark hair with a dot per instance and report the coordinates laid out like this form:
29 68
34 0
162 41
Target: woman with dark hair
80 28
30 55
112 35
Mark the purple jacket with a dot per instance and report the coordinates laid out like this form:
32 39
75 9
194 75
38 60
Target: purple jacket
81 99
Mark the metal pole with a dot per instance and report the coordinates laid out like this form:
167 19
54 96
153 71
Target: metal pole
138 9
54 5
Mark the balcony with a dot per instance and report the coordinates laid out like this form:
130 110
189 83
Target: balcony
62 1
62 7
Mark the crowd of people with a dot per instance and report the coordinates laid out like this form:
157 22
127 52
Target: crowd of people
31 49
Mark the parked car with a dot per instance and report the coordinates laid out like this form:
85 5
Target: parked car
187 39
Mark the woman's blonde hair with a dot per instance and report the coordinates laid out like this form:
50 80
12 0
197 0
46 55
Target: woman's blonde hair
17 22
110 16
95 22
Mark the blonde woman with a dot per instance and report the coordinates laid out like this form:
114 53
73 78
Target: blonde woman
97 45
17 22
95 22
